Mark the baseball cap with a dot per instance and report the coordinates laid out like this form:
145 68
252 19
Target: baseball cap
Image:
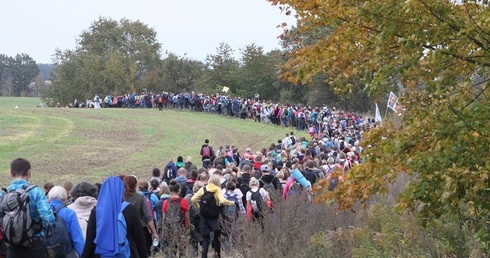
264 168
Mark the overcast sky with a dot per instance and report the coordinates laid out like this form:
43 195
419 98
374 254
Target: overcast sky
192 27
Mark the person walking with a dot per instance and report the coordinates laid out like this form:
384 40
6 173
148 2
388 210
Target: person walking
39 211
102 227
210 197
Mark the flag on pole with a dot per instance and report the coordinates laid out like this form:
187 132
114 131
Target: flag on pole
377 116
393 102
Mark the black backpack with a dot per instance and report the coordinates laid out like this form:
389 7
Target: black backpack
244 188
223 185
57 237
257 202
208 207
174 218
168 174
186 189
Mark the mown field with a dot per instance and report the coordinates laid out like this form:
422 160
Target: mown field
90 144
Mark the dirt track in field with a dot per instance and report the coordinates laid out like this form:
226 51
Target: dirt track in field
88 144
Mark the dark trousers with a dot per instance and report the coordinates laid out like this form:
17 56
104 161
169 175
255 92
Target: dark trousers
36 249
216 244
148 239
205 164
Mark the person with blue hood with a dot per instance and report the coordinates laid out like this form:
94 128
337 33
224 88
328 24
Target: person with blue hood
102 229
170 171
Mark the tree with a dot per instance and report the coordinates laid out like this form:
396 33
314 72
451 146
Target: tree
45 70
222 68
434 49
181 73
258 73
39 85
112 57
19 71
5 62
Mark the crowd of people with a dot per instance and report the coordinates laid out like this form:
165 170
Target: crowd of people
300 117
184 208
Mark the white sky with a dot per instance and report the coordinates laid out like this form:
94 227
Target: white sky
192 27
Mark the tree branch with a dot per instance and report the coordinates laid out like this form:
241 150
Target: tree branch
454 27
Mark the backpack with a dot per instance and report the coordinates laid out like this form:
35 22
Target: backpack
256 201
319 173
232 211
208 207
328 169
188 190
244 188
57 237
293 140
345 165
269 187
158 212
295 188
148 203
174 218
168 174
257 173
206 152
223 185
122 233
332 183
16 220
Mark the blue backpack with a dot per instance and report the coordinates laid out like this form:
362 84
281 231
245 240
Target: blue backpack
57 237
232 211
122 235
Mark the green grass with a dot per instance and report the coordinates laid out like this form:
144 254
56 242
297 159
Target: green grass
89 144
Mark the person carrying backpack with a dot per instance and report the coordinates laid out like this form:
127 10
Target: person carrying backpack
257 200
189 166
207 154
164 195
210 197
189 184
141 205
269 182
232 214
114 229
243 183
25 235
175 217
66 230
335 177
312 174
169 172
151 197
195 236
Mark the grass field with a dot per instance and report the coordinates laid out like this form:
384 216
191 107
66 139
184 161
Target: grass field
90 144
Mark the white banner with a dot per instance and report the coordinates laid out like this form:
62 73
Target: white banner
393 102
377 116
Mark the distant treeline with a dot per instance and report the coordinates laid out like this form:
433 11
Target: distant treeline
45 69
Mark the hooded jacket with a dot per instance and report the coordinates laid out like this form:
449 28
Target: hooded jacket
218 196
